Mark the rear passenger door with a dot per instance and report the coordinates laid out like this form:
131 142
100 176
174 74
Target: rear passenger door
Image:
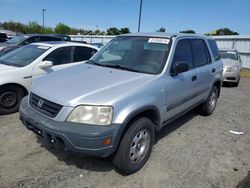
181 88
203 63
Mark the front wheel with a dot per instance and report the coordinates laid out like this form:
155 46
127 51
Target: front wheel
135 147
207 108
10 99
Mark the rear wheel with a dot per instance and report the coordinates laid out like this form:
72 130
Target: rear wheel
10 99
207 108
135 147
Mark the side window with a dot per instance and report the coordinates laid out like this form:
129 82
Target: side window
214 49
61 56
200 52
183 53
48 38
31 40
83 53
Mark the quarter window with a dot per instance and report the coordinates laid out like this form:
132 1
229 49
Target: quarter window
214 49
200 52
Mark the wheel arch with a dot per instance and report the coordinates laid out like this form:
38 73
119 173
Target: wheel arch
150 112
16 85
217 83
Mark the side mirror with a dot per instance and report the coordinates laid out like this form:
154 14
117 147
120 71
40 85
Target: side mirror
46 64
179 67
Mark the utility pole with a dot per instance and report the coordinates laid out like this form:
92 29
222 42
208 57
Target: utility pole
43 16
139 22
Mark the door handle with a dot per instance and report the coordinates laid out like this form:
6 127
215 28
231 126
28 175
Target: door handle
213 70
194 78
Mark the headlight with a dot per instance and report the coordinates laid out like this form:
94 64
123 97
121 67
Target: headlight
94 115
231 69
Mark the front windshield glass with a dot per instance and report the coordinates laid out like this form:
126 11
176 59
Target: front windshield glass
17 40
23 56
137 54
228 55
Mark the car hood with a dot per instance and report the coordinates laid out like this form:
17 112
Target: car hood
229 62
88 84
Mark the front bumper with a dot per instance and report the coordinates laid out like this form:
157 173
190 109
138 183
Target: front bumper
231 76
74 137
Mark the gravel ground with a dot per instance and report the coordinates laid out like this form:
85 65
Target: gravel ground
193 151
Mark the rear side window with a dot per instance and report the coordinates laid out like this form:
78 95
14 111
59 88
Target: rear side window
214 49
183 53
61 56
83 53
200 52
49 38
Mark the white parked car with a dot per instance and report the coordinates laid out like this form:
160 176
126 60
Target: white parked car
20 67
232 65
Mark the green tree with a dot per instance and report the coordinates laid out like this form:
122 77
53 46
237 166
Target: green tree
188 31
113 31
62 28
225 31
124 30
33 27
162 29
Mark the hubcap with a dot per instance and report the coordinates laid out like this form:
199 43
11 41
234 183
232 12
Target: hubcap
212 101
8 99
139 146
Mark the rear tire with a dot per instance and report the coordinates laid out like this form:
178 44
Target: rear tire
207 108
10 99
135 147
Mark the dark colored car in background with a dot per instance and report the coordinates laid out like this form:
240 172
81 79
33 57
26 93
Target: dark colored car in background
3 37
21 40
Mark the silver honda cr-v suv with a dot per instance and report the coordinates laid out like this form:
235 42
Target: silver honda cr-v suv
116 102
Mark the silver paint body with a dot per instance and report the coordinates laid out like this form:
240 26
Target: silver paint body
129 92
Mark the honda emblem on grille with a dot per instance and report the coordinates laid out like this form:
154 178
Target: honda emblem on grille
40 103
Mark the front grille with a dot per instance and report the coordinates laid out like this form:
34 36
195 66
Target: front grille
44 106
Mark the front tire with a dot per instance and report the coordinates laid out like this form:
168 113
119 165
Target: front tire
135 147
207 108
10 99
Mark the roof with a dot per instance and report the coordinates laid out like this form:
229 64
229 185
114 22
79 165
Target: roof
165 35
61 43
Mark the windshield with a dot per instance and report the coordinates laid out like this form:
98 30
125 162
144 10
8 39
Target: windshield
137 54
23 56
17 39
228 55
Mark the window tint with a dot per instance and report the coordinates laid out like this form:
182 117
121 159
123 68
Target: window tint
214 49
33 39
200 52
83 53
183 53
49 38
61 56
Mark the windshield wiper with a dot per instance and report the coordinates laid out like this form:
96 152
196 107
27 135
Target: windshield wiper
117 66
92 62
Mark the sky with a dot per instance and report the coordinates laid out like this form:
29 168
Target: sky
200 15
